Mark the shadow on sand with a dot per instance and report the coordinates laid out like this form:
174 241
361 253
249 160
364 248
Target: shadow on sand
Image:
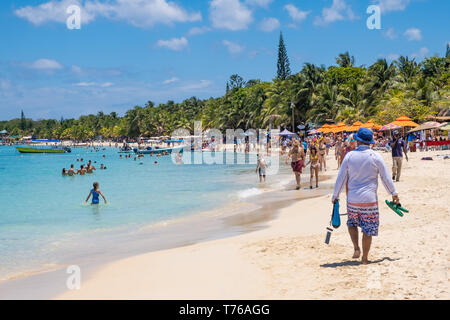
350 263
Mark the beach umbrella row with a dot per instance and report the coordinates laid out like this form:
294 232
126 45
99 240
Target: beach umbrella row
400 122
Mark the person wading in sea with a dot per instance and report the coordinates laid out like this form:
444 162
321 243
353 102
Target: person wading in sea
298 161
361 168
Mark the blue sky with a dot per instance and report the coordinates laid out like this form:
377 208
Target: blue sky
130 51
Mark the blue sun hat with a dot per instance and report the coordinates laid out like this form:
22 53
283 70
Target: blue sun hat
364 135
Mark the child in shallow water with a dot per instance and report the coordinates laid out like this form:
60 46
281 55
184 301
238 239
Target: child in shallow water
95 194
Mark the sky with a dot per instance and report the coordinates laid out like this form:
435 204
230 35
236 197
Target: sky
127 52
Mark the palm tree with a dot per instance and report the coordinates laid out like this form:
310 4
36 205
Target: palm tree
345 60
327 103
407 68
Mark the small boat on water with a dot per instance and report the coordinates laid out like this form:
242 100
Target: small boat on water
126 149
157 150
44 148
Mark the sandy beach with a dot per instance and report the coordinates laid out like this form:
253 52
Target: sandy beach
288 259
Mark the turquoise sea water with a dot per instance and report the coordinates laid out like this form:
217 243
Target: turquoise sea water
40 208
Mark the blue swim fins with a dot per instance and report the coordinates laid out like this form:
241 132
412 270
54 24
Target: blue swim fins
397 208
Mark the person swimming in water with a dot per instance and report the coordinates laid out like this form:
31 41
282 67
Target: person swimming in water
64 172
261 168
95 192
81 171
90 168
71 171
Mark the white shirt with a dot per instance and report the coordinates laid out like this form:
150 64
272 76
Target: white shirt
361 168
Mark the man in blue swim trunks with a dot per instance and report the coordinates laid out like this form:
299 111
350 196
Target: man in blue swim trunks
360 168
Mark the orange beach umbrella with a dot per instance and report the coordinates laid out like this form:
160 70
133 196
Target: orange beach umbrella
340 127
355 126
325 128
404 121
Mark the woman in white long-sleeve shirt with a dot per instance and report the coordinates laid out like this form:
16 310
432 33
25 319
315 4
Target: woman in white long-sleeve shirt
361 168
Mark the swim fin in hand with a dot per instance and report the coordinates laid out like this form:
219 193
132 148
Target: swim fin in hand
397 208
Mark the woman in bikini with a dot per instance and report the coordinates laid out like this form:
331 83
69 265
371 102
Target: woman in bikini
322 155
298 161
339 150
314 168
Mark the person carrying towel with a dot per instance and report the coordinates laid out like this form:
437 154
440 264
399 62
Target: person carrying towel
361 168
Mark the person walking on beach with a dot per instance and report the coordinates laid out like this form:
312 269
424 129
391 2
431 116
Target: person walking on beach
338 151
95 193
261 168
398 146
314 159
361 168
322 155
298 161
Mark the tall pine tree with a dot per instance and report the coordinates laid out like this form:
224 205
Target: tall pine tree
283 67
23 123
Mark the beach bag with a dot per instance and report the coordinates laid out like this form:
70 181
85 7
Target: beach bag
335 216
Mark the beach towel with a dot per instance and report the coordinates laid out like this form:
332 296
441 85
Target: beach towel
335 217
427 158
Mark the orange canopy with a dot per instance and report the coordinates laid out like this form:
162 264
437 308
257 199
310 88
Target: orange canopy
355 126
331 128
325 128
377 127
404 121
340 127
369 124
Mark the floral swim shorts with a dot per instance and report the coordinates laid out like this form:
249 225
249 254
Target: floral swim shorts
364 215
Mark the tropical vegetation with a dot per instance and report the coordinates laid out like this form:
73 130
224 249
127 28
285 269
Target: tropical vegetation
345 92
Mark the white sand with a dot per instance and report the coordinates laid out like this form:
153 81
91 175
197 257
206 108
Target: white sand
289 260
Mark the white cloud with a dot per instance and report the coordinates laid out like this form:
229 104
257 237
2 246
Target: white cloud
140 13
198 30
259 3
413 34
176 44
269 24
45 64
171 80
422 53
232 47
390 33
296 14
93 84
202 84
230 14
338 11
76 69
392 5
392 56
54 11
